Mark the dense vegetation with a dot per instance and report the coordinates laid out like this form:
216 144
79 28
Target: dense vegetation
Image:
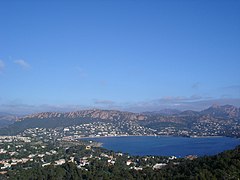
225 165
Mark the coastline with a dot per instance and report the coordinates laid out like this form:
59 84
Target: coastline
176 145
88 137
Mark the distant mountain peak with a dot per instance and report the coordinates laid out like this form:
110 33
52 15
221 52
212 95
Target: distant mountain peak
215 106
166 111
229 111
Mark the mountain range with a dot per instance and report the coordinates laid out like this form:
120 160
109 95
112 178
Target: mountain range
7 119
222 116
226 111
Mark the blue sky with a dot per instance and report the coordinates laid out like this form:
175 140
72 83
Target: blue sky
128 55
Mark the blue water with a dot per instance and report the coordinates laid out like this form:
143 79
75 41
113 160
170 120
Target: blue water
168 146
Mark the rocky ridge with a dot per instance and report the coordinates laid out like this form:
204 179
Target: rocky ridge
95 113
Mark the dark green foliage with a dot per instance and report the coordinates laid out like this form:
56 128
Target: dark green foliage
225 165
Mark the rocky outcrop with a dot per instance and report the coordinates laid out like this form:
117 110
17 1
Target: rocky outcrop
95 113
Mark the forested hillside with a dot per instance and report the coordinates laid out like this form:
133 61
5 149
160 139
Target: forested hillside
225 165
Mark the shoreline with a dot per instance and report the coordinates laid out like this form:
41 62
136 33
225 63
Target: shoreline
162 152
116 136
88 137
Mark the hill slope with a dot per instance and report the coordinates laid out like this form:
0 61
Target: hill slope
225 165
214 121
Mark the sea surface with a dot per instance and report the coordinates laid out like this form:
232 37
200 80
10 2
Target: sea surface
168 146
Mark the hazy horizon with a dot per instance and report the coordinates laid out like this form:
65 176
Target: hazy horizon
69 108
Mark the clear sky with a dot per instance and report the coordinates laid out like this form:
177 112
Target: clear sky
135 55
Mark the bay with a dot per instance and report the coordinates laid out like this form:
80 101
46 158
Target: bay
168 146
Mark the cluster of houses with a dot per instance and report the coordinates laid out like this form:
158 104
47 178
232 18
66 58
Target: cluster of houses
18 154
9 139
94 129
